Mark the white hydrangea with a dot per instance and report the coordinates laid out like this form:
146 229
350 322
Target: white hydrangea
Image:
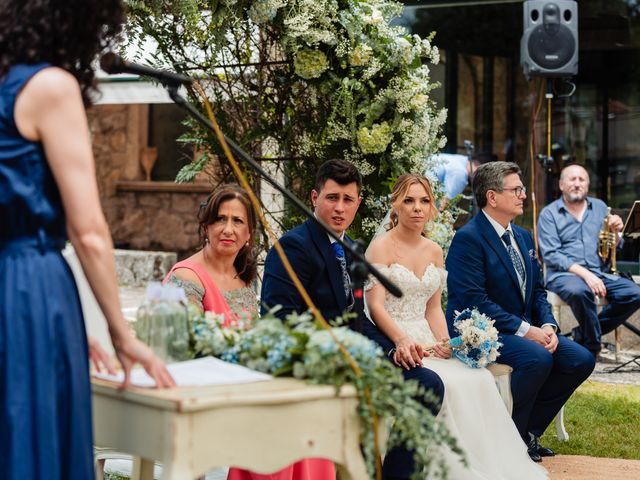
374 18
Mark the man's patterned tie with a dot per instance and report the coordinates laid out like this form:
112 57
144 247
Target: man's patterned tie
515 258
342 261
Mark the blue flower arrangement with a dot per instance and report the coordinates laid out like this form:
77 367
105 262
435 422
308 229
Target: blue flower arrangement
300 347
477 345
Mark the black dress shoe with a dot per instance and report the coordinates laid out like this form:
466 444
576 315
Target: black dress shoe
534 446
545 452
533 454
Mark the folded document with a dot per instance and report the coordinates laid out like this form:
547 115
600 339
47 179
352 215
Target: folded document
195 373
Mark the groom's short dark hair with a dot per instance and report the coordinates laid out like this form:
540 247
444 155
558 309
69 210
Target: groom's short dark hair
490 176
340 171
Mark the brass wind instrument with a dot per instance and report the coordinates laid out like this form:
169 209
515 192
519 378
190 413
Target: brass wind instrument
607 243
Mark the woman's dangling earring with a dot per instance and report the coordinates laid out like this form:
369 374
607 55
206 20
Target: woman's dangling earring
394 218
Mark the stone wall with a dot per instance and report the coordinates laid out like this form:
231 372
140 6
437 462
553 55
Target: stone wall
156 220
118 134
136 268
148 215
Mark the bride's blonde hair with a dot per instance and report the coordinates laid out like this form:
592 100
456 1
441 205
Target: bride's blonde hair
400 190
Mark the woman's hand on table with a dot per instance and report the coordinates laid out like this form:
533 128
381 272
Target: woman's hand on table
130 351
99 357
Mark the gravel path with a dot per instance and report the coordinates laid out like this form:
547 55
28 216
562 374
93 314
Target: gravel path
579 467
629 374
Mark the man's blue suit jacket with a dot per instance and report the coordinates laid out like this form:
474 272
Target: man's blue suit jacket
310 253
482 275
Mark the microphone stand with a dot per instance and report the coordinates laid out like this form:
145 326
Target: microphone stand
359 271
360 267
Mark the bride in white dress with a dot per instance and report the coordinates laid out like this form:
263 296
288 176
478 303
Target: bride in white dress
472 407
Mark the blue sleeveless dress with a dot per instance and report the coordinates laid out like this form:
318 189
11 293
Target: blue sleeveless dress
45 398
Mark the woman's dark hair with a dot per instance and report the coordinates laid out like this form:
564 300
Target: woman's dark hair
65 33
340 171
245 263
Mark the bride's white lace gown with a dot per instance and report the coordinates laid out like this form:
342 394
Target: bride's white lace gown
472 408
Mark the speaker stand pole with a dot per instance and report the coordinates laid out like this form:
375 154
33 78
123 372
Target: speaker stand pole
473 208
548 161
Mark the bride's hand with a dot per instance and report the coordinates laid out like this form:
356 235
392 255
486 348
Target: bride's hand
442 349
408 353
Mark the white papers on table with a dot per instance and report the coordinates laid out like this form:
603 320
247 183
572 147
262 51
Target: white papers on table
196 373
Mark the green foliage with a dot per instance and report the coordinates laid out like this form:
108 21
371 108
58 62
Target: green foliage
318 78
114 476
299 347
188 172
602 421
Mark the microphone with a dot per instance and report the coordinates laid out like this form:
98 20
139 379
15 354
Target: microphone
113 63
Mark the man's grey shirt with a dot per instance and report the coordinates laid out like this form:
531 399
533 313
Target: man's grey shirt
563 240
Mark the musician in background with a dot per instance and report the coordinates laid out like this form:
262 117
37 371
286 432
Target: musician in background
568 235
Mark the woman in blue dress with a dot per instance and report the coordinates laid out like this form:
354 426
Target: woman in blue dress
48 191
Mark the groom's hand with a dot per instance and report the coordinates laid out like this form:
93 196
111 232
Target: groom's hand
408 353
539 335
553 338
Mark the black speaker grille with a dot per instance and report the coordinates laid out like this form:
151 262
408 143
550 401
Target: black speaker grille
551 48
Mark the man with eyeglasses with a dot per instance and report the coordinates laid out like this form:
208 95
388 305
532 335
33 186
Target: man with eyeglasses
568 231
493 266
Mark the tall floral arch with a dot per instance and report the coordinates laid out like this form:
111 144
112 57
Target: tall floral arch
296 82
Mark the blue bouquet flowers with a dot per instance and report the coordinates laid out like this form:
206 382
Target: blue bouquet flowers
477 345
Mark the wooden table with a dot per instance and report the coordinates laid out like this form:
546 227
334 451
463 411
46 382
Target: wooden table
260 426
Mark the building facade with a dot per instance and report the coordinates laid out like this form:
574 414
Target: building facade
595 115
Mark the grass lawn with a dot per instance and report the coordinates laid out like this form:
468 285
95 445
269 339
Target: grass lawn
603 420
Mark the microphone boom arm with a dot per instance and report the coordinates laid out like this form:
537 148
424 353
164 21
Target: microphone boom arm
355 254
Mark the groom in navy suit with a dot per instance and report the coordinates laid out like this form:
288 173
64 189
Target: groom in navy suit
322 268
493 265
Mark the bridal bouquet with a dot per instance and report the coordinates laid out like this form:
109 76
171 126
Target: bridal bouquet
477 345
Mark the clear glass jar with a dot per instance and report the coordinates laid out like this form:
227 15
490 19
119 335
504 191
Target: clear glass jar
162 322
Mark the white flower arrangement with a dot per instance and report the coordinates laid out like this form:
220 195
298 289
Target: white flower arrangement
310 63
374 139
330 79
263 11
208 335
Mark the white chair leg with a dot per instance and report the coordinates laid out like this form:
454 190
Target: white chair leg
561 432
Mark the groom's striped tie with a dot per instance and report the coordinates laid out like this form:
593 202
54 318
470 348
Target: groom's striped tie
515 258
346 281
